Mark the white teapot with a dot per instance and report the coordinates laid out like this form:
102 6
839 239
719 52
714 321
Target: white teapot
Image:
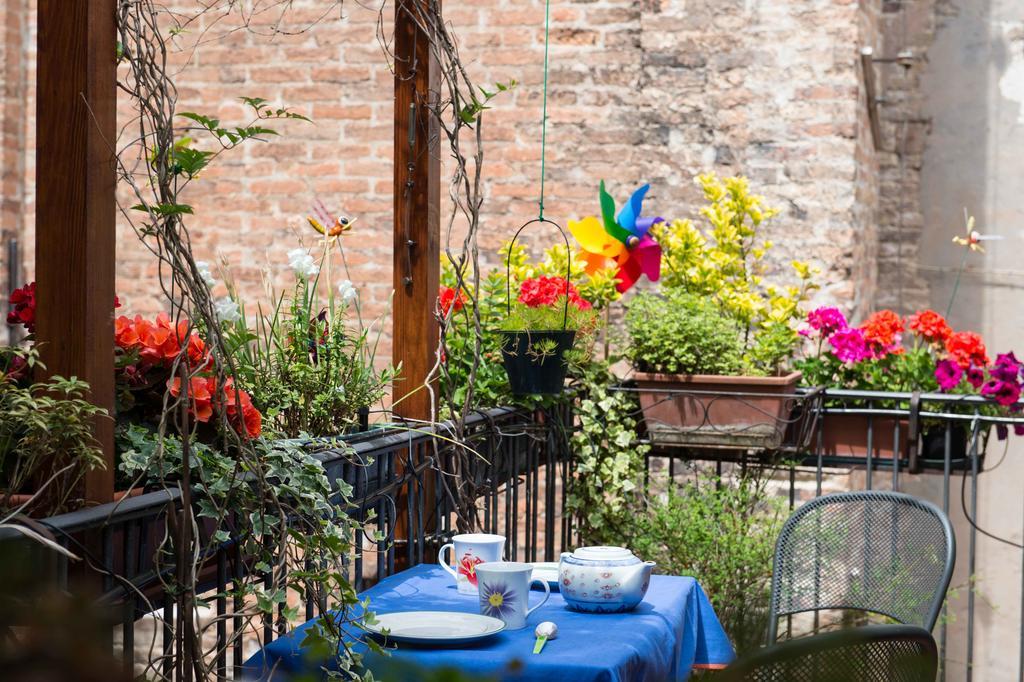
603 579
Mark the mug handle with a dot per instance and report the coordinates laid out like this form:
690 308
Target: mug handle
547 594
444 564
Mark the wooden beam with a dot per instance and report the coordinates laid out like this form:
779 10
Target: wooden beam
76 119
417 214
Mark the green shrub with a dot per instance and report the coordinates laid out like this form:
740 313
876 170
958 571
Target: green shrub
722 532
681 333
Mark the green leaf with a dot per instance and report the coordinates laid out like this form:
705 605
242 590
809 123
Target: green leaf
163 209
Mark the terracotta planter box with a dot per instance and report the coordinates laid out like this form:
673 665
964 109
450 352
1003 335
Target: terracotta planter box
846 436
700 410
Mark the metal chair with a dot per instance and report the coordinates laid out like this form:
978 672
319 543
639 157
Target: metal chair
871 551
874 653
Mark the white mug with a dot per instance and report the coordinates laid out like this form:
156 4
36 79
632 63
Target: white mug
471 550
505 591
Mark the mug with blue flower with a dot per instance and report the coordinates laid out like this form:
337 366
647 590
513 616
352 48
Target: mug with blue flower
505 590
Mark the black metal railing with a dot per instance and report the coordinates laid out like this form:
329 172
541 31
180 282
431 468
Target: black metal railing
843 439
394 473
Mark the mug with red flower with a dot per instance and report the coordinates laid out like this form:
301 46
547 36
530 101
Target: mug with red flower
470 550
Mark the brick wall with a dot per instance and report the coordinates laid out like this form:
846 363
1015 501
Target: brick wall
641 90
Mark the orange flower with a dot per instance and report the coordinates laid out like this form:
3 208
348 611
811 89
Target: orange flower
883 329
967 349
251 422
931 326
199 395
125 335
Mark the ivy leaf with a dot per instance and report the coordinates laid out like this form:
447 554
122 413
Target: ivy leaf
163 209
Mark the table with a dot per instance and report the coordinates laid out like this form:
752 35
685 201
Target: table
672 631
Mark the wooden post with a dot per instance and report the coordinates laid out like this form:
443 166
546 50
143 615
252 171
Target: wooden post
76 119
417 214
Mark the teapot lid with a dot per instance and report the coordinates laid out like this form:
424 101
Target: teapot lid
600 553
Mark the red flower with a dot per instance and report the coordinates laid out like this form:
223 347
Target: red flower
467 567
883 329
241 413
251 421
200 395
24 302
541 291
125 335
931 326
448 299
966 349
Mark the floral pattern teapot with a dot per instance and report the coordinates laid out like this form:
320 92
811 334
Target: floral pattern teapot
603 579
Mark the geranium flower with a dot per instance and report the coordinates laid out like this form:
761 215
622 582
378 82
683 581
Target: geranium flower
542 291
826 321
948 374
883 331
1003 392
850 346
24 312
125 335
497 600
251 421
930 326
967 348
449 299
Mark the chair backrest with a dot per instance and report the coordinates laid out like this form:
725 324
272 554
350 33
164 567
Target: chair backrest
875 551
874 653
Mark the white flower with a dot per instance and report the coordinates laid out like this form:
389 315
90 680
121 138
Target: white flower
302 263
227 310
347 291
204 271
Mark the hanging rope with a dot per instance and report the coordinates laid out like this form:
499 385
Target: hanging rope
544 114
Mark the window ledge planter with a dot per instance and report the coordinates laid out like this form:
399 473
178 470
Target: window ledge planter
702 410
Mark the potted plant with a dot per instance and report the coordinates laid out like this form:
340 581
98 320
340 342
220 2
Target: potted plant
887 353
711 350
539 330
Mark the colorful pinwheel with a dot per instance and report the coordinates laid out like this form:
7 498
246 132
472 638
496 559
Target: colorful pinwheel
621 240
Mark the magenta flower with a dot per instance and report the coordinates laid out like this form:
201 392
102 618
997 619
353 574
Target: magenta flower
826 321
975 375
849 345
1006 367
948 374
1003 392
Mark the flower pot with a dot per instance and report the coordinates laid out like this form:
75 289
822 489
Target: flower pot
845 436
933 449
699 410
535 360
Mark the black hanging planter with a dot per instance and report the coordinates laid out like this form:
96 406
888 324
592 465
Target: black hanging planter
535 365
535 359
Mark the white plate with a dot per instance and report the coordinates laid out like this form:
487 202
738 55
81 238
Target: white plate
435 627
546 571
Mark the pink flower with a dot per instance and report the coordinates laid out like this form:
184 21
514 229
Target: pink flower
826 321
1003 392
850 346
948 374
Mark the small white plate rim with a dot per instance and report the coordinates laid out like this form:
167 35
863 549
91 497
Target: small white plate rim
495 626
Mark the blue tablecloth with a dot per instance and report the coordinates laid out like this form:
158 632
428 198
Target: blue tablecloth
673 630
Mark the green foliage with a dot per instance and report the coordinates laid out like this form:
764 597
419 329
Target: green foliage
680 333
912 370
725 263
722 532
471 112
609 462
309 369
46 432
553 317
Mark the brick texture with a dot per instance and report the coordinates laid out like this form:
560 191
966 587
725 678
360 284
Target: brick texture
640 91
